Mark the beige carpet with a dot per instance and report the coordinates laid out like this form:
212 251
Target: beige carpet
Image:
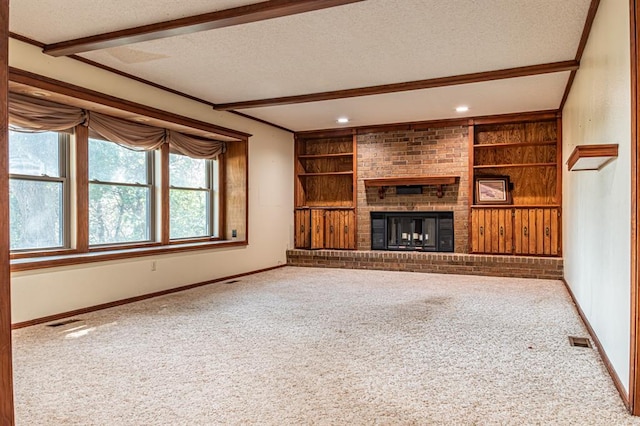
322 346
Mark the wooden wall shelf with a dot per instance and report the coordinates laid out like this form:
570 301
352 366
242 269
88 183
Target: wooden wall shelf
591 157
383 183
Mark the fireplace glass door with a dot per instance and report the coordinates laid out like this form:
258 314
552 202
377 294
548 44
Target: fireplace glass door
411 233
425 231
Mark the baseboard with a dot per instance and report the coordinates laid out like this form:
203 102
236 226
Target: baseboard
133 299
616 379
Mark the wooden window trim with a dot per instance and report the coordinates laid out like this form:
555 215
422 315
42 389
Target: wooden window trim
52 261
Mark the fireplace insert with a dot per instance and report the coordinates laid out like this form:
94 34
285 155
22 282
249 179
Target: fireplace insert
412 231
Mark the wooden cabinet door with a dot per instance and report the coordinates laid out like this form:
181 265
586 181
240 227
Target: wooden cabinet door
537 231
340 230
317 228
491 231
302 228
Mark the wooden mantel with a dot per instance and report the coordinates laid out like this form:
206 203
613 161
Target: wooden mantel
383 183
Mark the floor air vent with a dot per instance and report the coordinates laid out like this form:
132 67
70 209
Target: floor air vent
61 323
232 282
580 342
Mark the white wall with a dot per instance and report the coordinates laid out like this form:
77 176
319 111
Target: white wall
49 291
597 205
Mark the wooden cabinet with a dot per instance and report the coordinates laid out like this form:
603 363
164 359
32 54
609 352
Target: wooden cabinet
309 225
492 230
526 151
325 185
325 228
519 231
340 232
536 231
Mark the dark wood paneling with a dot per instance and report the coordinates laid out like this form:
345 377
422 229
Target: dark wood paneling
236 166
165 199
6 372
68 314
634 356
82 188
408 86
191 24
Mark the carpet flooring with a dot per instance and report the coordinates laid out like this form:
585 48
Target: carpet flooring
326 347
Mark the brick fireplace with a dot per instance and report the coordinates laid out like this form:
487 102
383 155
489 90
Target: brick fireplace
434 151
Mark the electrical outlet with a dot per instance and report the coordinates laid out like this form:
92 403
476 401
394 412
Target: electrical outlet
234 233
153 265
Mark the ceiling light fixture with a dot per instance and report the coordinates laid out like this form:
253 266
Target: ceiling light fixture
342 120
462 108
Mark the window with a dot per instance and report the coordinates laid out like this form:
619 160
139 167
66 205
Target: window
193 197
38 190
120 194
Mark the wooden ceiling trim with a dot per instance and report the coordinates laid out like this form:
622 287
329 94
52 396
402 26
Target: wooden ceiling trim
48 84
191 24
408 86
591 15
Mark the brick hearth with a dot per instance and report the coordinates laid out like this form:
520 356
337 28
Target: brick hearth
442 263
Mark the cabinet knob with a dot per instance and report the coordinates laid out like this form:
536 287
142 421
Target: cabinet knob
482 230
346 229
318 229
526 231
501 231
546 231
331 229
302 229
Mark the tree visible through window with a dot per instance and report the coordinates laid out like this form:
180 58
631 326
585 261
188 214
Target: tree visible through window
193 197
37 190
120 196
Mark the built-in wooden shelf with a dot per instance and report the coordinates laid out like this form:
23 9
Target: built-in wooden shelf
591 157
514 206
515 144
504 166
316 156
325 174
383 183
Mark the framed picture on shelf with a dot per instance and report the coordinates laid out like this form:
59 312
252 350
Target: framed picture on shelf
492 190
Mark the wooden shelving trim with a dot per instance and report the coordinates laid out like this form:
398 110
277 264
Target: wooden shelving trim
325 174
591 157
515 144
318 156
516 206
504 166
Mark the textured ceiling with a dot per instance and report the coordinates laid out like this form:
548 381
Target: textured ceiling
373 42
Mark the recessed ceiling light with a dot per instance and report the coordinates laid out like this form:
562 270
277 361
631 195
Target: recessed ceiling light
342 120
462 108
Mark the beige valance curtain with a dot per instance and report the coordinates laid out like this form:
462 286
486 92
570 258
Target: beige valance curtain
40 115
37 115
195 147
132 135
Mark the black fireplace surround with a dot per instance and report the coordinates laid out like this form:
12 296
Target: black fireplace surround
412 231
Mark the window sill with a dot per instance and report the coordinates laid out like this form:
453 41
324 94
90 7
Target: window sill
26 264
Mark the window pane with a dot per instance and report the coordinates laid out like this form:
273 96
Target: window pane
34 154
187 172
188 212
109 162
35 214
118 214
